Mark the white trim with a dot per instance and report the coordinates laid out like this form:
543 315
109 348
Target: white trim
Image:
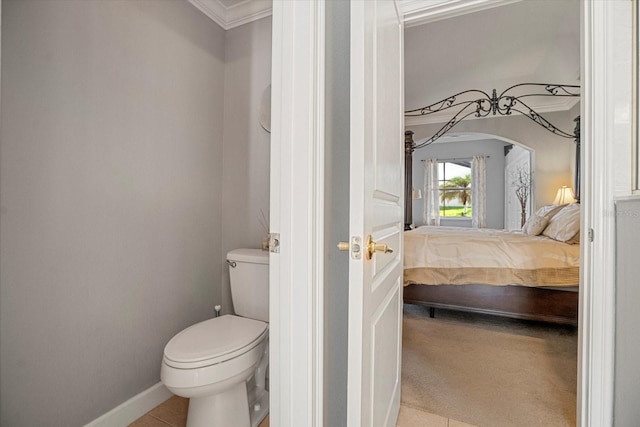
247 12
297 206
418 12
236 15
129 411
212 9
597 296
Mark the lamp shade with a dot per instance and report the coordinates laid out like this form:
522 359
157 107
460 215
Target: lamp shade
564 196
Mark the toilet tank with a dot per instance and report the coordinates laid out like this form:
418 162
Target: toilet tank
249 276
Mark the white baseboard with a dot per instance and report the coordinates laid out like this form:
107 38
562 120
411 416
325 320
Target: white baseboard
126 413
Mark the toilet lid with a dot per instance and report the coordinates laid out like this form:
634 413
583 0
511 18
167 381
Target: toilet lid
214 339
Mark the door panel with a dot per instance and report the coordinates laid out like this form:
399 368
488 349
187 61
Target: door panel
387 102
386 359
376 210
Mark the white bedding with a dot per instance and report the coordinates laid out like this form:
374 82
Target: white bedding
460 256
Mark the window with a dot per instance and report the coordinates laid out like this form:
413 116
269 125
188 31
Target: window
455 188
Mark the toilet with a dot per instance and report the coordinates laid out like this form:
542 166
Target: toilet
221 364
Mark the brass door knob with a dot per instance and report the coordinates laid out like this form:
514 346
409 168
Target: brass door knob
373 247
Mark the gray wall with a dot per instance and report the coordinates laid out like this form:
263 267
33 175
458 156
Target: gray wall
627 363
554 157
246 144
111 187
336 215
465 149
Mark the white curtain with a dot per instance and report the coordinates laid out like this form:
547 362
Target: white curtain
431 214
479 192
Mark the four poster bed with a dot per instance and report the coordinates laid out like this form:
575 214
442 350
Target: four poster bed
531 275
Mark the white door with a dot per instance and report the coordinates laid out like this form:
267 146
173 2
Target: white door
376 210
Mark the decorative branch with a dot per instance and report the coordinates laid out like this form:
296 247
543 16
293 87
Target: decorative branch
521 180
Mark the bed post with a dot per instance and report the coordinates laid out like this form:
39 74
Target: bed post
576 182
408 176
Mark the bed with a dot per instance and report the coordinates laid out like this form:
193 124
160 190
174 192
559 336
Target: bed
522 275
546 289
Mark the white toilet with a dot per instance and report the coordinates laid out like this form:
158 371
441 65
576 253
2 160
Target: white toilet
221 363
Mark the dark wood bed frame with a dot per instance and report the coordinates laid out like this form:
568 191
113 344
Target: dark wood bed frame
519 302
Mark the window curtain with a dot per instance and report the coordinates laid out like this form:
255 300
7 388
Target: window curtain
431 214
479 192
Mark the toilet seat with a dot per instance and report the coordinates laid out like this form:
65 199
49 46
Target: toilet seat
214 341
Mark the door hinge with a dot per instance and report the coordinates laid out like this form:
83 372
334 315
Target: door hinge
274 242
591 234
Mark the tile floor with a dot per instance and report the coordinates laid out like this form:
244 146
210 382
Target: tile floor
173 412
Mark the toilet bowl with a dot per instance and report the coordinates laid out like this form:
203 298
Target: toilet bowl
211 362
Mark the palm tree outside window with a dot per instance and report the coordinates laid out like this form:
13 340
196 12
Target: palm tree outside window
455 188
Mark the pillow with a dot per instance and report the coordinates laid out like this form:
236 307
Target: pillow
535 225
564 225
549 211
575 240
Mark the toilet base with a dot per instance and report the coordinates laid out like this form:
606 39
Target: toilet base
259 407
228 409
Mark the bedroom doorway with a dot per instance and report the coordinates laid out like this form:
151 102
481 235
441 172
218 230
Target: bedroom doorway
601 24
557 167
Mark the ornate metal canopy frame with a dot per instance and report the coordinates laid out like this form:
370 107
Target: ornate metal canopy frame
480 104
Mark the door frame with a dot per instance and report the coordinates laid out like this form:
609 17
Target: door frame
596 336
296 214
297 175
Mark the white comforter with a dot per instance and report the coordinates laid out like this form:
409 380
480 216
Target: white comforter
457 256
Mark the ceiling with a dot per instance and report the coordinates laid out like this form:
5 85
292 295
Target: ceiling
532 41
521 42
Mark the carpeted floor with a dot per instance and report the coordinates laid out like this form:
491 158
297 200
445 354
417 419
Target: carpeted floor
489 371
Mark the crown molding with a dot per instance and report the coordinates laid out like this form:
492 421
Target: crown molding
236 15
561 104
418 12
